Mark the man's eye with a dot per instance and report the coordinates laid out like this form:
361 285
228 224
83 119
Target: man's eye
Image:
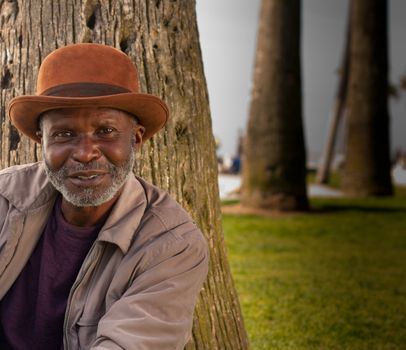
106 131
64 133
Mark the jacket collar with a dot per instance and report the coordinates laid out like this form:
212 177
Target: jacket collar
126 215
26 187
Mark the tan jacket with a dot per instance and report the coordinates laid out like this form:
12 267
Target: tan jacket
138 284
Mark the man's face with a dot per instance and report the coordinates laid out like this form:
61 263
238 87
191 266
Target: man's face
89 152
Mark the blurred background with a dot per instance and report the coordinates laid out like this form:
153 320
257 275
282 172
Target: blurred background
324 269
228 31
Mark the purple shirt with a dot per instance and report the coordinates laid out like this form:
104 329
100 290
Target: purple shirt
32 312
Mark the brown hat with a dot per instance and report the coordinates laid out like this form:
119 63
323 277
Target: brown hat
87 75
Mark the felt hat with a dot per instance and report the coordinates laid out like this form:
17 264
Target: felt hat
87 75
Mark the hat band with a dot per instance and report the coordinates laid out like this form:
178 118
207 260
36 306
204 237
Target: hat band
84 90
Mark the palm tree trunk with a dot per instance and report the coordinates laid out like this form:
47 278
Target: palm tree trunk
367 165
274 163
324 168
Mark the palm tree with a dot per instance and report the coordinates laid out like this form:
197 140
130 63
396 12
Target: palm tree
274 163
367 164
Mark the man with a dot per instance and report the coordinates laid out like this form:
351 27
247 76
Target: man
92 257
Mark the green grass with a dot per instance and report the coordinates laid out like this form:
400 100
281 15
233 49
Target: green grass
332 279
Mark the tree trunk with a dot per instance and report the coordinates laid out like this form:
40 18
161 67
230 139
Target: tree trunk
324 168
162 39
367 164
274 164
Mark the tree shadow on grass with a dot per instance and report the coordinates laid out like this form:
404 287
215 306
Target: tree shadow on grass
329 208
234 207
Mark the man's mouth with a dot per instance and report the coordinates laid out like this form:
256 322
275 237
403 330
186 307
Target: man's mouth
87 179
81 177
86 173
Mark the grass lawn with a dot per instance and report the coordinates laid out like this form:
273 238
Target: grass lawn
332 279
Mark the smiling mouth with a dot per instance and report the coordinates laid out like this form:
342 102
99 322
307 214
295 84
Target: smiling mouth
87 180
82 177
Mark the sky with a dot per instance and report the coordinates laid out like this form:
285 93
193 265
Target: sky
228 31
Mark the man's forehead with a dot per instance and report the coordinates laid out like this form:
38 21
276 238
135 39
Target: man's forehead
83 112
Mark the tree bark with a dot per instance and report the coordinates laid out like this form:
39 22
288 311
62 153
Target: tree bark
274 163
162 39
367 164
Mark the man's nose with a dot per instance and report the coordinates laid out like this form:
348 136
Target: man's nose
86 150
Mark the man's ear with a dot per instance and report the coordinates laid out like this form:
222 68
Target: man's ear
138 131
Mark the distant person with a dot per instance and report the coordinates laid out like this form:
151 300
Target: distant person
235 165
92 257
236 160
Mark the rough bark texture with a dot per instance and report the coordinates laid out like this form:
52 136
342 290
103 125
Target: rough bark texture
367 166
274 154
162 38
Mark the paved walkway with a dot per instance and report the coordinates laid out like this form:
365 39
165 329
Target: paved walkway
230 184
399 175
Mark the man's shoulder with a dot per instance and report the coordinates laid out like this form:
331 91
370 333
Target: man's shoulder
23 184
23 168
166 229
161 205
164 219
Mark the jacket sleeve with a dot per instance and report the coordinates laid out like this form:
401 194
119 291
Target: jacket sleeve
156 312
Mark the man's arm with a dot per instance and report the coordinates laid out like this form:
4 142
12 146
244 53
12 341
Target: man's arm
156 312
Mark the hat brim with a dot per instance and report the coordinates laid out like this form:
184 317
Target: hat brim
150 110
